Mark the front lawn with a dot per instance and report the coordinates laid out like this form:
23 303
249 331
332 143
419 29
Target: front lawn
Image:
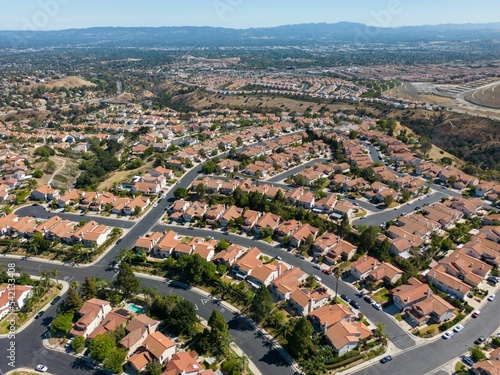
382 296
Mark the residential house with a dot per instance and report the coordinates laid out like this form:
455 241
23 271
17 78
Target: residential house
301 235
159 346
230 214
250 220
285 284
341 251
385 273
116 318
363 266
344 336
45 193
448 283
166 245
268 220
406 295
92 313
13 297
244 266
137 329
303 301
431 310
326 316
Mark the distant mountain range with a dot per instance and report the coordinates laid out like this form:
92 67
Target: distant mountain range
288 35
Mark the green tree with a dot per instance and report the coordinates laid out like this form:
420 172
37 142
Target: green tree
368 238
477 354
388 200
154 368
262 304
181 193
62 323
300 339
405 195
114 360
337 272
78 344
126 281
89 287
137 210
182 319
425 146
73 301
344 228
101 347
219 335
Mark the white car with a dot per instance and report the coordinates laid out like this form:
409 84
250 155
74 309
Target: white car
377 306
41 368
447 335
458 328
68 343
491 297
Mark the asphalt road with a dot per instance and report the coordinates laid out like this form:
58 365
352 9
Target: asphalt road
427 358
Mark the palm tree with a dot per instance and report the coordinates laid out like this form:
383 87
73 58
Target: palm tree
337 272
55 273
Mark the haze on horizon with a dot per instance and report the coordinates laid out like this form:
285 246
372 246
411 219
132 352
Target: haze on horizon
67 14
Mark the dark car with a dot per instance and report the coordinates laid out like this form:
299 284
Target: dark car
55 300
40 313
368 299
468 361
494 280
386 359
345 297
480 340
354 304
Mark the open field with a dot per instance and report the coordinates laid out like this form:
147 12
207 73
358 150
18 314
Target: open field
488 97
204 100
67 82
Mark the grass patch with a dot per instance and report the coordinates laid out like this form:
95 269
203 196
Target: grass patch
398 317
382 296
429 331
459 366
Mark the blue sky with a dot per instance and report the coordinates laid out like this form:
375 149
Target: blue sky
64 14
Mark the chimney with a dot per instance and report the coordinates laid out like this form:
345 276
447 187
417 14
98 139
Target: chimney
279 269
325 326
311 304
429 292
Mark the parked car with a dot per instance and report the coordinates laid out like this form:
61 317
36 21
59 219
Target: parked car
354 304
458 328
377 306
68 343
480 340
40 313
326 271
493 279
278 257
468 360
317 266
447 335
476 313
345 297
368 299
55 300
41 368
386 359
491 297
